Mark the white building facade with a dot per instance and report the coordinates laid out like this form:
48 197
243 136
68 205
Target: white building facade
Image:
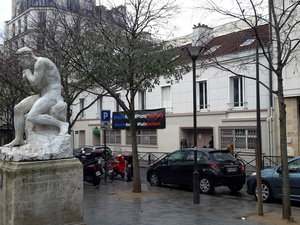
226 105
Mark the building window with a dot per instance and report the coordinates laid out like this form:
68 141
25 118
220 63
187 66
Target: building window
13 30
42 20
243 139
203 95
81 137
141 100
40 42
237 92
99 106
25 23
19 27
144 137
166 98
247 42
113 136
23 42
81 107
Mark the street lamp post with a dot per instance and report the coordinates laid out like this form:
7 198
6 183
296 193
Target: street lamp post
193 54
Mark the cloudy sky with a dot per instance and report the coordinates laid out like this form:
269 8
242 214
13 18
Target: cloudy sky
183 21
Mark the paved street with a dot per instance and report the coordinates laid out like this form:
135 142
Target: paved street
115 204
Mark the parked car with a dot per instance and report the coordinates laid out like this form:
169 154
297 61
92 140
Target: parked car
216 168
96 151
272 182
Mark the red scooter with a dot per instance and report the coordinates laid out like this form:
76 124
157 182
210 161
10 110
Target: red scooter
117 166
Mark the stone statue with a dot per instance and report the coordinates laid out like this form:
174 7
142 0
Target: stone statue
42 116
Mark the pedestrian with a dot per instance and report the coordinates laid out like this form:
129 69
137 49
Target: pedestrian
183 143
230 147
211 142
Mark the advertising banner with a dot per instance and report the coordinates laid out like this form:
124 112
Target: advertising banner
145 119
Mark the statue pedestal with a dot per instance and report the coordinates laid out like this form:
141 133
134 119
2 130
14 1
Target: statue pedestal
41 192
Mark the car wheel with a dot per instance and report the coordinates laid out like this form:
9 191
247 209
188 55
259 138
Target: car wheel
267 195
154 179
206 186
235 188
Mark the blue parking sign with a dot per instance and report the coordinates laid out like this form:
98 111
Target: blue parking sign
105 115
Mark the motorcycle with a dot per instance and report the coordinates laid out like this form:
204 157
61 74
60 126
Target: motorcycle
92 168
118 166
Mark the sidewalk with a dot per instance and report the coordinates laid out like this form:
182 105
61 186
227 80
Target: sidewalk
115 204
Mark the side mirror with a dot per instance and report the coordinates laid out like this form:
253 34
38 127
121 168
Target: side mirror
279 170
165 161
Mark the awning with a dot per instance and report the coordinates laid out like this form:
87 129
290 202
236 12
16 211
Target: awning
96 131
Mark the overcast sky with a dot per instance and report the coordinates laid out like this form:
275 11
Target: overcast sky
184 21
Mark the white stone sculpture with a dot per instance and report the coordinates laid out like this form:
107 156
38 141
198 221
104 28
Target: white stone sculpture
42 116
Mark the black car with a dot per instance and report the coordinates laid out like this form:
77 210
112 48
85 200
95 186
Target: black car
95 151
216 168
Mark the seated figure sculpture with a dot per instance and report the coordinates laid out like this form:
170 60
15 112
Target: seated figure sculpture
46 108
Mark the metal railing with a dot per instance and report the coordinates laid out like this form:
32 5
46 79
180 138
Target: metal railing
151 157
248 159
271 161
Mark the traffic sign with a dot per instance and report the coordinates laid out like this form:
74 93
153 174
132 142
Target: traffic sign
105 115
105 125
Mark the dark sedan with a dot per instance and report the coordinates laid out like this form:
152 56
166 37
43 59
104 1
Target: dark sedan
216 168
95 151
272 182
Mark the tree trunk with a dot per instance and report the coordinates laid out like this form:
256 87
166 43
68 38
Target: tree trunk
137 188
286 203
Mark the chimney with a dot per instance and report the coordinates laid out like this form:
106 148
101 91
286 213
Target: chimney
202 34
13 8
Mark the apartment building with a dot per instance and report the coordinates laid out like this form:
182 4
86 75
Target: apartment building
226 104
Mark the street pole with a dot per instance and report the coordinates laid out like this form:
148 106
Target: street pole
196 188
193 55
105 156
258 141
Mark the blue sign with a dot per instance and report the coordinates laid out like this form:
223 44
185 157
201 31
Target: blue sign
105 115
145 119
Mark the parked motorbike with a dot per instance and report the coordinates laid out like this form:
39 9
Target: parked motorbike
92 168
118 166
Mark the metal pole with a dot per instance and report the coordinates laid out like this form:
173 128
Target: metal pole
195 173
105 157
258 141
194 58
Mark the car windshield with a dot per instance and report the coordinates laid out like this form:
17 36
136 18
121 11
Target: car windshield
102 149
222 156
87 150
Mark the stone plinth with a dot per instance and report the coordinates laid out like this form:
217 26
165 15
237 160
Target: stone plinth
41 192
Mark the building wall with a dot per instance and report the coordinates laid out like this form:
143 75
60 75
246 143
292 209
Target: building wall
179 118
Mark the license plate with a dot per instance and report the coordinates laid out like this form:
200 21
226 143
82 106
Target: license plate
231 169
98 173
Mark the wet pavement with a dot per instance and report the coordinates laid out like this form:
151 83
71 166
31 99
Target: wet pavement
115 204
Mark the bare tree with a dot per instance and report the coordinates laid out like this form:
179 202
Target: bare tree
284 23
61 36
129 59
13 88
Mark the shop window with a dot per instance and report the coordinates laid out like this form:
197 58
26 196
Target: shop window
243 139
144 137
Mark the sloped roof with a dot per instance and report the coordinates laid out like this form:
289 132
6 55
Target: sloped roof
231 43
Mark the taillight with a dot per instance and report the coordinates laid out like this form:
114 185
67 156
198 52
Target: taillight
214 166
241 166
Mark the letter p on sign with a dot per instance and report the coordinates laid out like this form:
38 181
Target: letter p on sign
105 115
